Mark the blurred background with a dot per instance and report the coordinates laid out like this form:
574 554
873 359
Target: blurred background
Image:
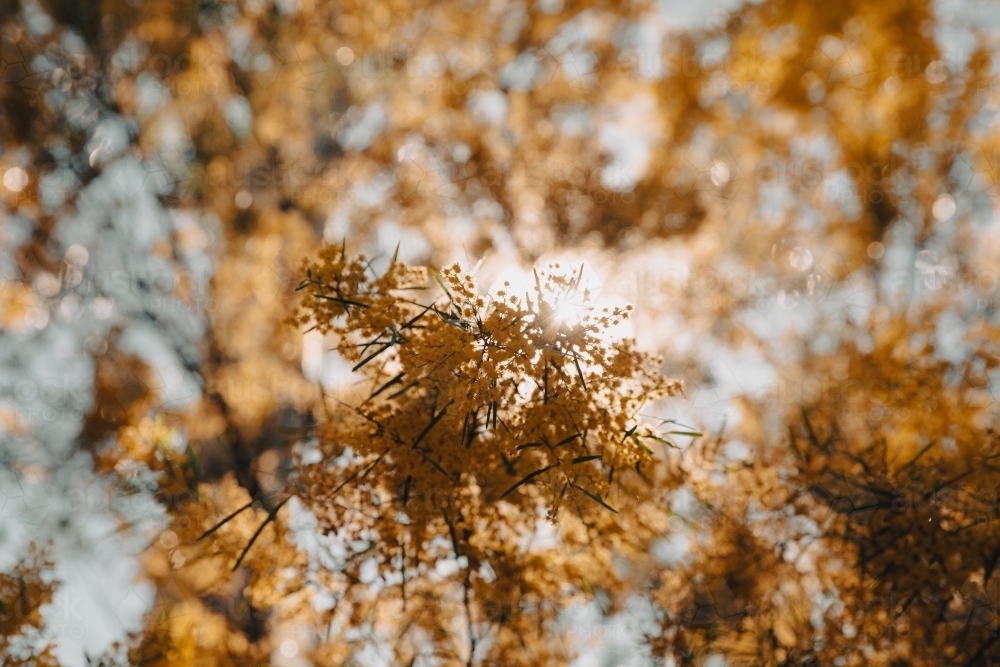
762 180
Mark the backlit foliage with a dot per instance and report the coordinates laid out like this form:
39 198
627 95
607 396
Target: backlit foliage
204 611
486 414
887 475
805 189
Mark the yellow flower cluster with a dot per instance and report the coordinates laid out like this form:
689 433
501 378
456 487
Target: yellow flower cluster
476 404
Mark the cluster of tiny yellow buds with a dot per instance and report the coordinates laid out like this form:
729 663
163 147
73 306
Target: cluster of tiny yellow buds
476 398
459 284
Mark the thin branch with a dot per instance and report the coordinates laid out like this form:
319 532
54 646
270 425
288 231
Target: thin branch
226 520
270 517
